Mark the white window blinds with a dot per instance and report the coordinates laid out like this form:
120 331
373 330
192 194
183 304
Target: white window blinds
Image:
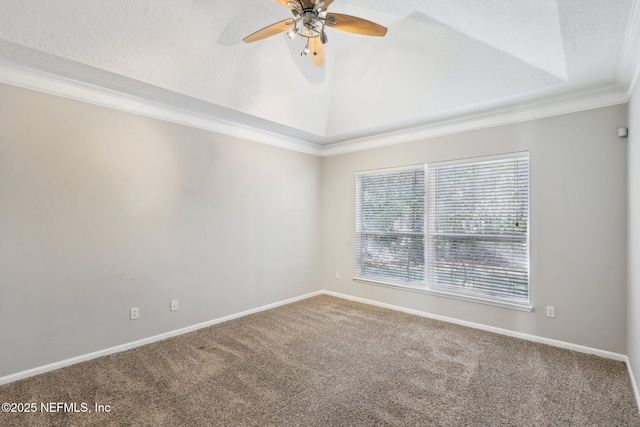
390 209
478 228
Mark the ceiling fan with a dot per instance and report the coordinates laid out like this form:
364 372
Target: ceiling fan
310 17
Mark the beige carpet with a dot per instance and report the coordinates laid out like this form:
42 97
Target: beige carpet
330 362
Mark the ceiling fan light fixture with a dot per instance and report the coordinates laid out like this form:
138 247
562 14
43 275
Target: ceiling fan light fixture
323 37
309 21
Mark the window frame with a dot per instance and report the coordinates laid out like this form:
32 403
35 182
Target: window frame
386 171
426 287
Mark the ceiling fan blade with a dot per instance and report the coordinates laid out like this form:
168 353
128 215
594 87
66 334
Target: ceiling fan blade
326 4
317 50
269 31
356 25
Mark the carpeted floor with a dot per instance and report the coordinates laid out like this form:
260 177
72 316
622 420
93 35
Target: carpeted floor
326 361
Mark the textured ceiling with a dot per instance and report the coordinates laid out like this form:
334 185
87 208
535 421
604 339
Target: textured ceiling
439 60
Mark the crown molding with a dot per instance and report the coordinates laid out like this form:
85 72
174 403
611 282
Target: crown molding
41 81
498 117
68 88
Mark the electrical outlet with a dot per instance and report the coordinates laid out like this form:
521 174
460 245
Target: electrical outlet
551 311
174 305
134 313
337 276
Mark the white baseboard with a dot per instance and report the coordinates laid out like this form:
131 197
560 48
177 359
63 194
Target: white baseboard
528 337
117 349
556 343
534 338
634 384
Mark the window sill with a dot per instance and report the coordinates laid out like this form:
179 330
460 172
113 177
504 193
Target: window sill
425 290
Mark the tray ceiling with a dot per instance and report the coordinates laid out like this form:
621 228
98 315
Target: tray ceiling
440 60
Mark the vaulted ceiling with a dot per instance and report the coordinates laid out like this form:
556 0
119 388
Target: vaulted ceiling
441 60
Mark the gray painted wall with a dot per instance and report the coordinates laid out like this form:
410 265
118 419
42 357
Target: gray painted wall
101 211
633 323
578 225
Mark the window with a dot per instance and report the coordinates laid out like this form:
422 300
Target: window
390 225
478 228
476 243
